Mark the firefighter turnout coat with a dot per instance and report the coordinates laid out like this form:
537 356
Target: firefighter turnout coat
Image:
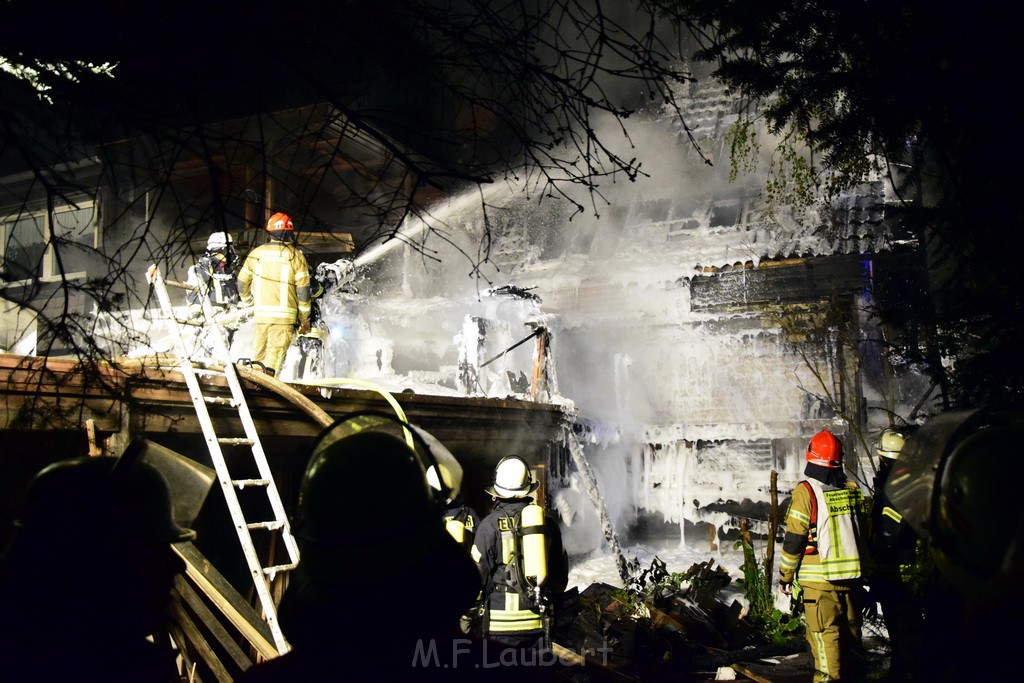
821 551
510 604
275 281
216 271
822 542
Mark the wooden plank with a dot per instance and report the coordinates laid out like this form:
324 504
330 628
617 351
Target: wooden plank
226 598
596 671
66 393
198 642
188 665
791 669
206 616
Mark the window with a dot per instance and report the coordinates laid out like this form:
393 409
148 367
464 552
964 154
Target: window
30 253
725 213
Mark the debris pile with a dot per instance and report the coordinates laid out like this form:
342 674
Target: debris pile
670 626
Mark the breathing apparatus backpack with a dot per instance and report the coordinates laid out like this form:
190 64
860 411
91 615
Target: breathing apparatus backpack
524 552
516 603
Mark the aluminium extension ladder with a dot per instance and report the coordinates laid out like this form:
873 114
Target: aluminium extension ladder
221 366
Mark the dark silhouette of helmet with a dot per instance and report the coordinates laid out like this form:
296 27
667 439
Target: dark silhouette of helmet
956 484
366 494
100 497
364 471
89 572
371 529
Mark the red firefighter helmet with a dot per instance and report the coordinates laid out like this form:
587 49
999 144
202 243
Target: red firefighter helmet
825 449
280 221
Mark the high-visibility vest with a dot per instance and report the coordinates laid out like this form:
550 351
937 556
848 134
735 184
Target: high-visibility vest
834 537
216 273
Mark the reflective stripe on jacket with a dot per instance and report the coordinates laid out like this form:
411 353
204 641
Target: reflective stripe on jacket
275 280
826 550
511 606
214 272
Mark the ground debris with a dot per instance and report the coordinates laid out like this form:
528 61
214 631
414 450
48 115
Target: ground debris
666 627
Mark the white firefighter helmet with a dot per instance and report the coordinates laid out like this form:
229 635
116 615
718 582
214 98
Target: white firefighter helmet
890 443
512 479
218 241
452 481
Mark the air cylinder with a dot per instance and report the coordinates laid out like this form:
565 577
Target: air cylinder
535 558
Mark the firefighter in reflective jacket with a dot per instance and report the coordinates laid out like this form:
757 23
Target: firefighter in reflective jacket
215 271
275 280
895 563
524 566
311 342
821 552
460 520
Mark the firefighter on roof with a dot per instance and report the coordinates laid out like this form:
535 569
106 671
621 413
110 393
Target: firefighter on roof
311 342
215 270
523 564
821 552
275 279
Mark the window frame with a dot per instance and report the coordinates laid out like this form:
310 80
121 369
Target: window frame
49 260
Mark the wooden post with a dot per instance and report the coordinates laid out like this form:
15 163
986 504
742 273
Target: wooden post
118 441
90 431
538 380
773 523
712 537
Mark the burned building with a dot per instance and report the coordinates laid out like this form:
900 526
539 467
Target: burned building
682 337
701 327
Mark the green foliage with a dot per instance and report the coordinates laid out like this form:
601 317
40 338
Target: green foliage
744 147
777 627
773 625
651 585
918 575
40 74
791 178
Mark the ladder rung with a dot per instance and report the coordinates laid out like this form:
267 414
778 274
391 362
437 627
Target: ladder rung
270 571
272 526
234 441
208 373
219 400
242 483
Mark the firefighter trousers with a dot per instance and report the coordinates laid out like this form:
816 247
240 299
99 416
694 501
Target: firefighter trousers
833 632
270 343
